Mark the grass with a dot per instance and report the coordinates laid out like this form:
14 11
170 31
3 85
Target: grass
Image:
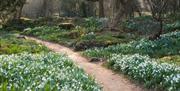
53 33
10 44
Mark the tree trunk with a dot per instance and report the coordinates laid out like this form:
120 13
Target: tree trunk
20 13
119 12
158 34
101 8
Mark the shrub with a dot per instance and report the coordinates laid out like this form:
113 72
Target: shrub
143 25
143 69
42 72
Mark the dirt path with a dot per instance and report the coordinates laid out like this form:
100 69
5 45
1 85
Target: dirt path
109 80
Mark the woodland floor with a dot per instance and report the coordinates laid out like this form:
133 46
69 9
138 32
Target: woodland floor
109 80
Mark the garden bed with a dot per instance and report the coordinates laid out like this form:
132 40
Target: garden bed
43 72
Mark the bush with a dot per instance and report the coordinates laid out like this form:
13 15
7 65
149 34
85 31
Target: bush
143 69
42 72
143 25
147 25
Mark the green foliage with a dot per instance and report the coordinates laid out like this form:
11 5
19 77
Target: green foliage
89 36
9 44
143 69
54 34
143 25
92 24
42 30
8 9
172 27
168 44
91 40
174 17
43 72
79 38
18 25
147 25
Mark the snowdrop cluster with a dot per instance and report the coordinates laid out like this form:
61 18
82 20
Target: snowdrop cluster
168 44
149 71
43 72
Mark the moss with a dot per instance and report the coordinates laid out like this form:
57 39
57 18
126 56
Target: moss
171 59
90 41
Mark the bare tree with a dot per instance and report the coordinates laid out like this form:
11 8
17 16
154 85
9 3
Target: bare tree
158 9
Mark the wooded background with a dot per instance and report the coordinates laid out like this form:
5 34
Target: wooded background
114 10
78 8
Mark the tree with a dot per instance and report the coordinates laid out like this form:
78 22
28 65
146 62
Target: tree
158 9
119 11
173 6
19 9
47 8
9 8
101 7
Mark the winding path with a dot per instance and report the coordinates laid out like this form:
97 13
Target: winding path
105 77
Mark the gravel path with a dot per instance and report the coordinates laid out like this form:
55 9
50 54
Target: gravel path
105 77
